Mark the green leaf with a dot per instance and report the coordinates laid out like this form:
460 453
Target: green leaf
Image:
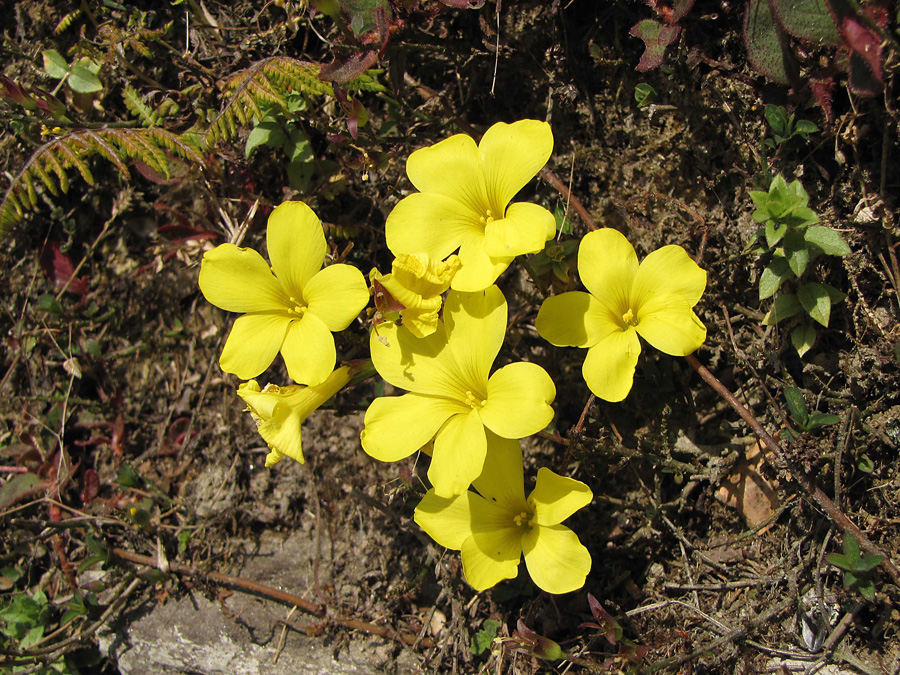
16 487
268 133
803 338
796 405
55 65
804 128
798 259
833 293
83 81
776 116
816 301
776 273
826 239
483 639
809 20
818 420
763 38
644 95
775 231
865 464
784 307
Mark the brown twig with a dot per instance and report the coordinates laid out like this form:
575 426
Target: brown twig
560 187
807 482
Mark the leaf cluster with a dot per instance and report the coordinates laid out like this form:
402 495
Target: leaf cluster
785 127
789 237
857 569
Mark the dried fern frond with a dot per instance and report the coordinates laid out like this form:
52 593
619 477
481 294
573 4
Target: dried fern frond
51 163
266 84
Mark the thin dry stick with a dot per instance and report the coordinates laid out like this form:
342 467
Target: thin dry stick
807 482
560 187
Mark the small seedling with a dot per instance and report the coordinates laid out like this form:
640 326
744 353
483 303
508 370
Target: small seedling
81 75
645 95
785 126
800 415
857 569
483 639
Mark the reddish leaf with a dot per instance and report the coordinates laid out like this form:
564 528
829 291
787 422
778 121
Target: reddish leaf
343 71
682 7
864 43
464 4
90 486
13 92
59 269
766 44
821 89
656 38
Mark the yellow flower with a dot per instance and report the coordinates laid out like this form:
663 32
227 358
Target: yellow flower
279 412
463 202
292 307
653 300
454 399
496 525
417 283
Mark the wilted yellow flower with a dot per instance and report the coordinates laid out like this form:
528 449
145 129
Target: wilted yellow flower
654 300
292 306
417 282
279 412
454 397
496 525
464 202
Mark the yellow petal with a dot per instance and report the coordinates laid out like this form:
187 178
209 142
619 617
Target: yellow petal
430 223
671 326
417 280
669 271
282 432
501 481
451 168
459 450
555 497
476 325
513 154
308 350
239 280
447 521
523 230
253 344
556 560
518 400
490 557
478 270
424 366
574 319
607 265
397 426
337 294
296 245
609 366
421 322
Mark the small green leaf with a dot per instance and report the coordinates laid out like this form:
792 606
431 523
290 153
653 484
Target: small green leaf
776 116
776 273
804 128
803 338
796 405
815 301
818 420
268 133
775 231
865 464
644 95
55 64
83 81
833 293
827 240
483 639
784 307
798 259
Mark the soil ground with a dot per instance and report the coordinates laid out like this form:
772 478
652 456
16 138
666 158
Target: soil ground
119 431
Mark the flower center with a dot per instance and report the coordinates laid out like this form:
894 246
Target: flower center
487 219
474 401
299 307
629 318
524 519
